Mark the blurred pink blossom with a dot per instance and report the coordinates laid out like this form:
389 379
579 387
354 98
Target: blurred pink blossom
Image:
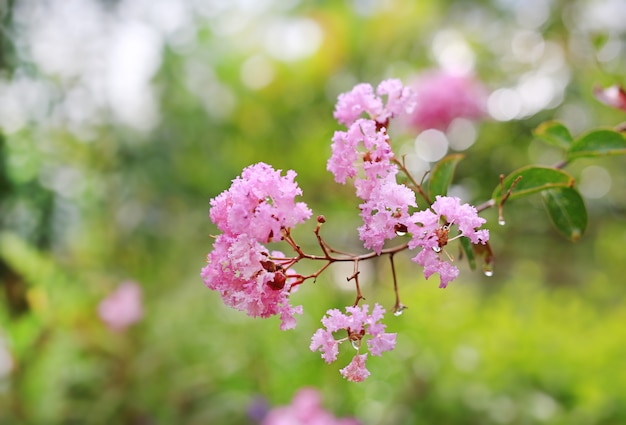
443 96
122 307
614 96
305 409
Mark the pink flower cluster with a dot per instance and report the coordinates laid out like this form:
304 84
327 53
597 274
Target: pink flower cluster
443 97
364 153
256 209
259 204
122 307
365 148
430 230
362 100
305 409
357 323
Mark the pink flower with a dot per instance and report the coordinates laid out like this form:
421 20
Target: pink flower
365 144
365 148
385 210
442 97
122 307
259 203
242 271
386 202
305 409
356 370
432 263
358 324
614 96
430 230
362 100
400 99
256 209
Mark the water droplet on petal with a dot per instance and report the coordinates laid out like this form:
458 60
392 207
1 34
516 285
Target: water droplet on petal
356 343
501 222
437 248
488 271
399 233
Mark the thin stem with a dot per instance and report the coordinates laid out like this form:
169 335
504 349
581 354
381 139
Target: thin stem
355 277
505 196
416 185
486 205
348 257
398 307
313 276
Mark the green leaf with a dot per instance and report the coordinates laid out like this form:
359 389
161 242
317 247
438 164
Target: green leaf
567 211
442 174
533 179
554 133
466 245
598 143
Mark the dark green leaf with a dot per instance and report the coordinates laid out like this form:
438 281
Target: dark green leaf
554 133
567 211
442 174
486 253
598 143
466 246
533 179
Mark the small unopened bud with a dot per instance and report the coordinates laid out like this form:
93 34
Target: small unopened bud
400 229
321 219
270 266
279 281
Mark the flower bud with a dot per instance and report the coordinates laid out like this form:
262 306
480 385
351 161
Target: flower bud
279 281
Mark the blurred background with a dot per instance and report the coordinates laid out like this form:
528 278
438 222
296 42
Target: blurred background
120 120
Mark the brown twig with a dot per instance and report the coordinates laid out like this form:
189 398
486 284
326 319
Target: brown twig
398 307
505 196
355 277
417 186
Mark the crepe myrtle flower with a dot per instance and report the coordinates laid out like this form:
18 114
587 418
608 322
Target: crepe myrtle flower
430 230
385 210
444 96
259 203
362 100
249 279
358 325
614 96
366 140
305 409
122 307
364 144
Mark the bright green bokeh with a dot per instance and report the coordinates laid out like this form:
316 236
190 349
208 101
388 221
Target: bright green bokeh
88 202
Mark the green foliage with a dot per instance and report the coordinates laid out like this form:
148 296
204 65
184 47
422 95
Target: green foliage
442 174
602 142
87 201
567 210
530 180
554 133
598 143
